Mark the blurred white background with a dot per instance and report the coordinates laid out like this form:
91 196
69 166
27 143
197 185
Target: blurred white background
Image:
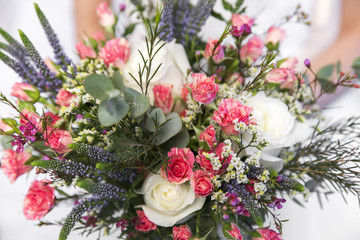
336 221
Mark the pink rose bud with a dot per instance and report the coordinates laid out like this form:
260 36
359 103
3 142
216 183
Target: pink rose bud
204 88
39 200
240 19
182 232
25 92
63 98
209 136
105 15
59 140
229 112
275 35
219 53
179 166
144 224
252 49
5 127
267 233
12 164
201 183
85 51
116 52
278 75
235 232
163 98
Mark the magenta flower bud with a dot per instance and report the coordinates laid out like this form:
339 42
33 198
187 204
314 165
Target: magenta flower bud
279 179
307 63
226 217
122 7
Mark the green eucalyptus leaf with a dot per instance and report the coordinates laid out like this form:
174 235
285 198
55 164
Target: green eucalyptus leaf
131 94
6 141
356 66
325 72
98 86
323 76
180 140
142 103
113 110
118 82
155 119
227 5
170 128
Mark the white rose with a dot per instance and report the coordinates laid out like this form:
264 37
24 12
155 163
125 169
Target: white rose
273 119
173 69
166 203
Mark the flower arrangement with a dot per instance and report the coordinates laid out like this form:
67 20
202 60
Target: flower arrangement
173 137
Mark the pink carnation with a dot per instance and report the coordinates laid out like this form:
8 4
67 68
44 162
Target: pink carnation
252 49
52 118
182 232
85 51
218 53
206 164
39 200
144 224
32 118
235 232
275 35
18 91
184 92
229 111
209 136
5 127
201 183
240 19
179 166
116 51
204 88
268 234
59 140
63 98
105 15
12 164
163 98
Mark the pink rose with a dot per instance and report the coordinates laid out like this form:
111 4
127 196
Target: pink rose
5 127
105 15
277 75
204 88
98 36
59 140
252 49
208 136
219 53
184 92
235 232
18 91
63 98
229 111
85 51
31 118
144 224
52 118
116 51
179 166
275 35
182 232
201 183
206 164
240 19
12 164
39 200
163 98
289 63
268 234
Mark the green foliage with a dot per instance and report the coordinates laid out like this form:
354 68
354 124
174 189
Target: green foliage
98 86
226 229
113 110
155 119
256 215
141 105
356 66
170 128
323 76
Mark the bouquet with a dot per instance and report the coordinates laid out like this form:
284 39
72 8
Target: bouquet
173 136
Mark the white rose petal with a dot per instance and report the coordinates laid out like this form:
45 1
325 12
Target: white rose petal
166 203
